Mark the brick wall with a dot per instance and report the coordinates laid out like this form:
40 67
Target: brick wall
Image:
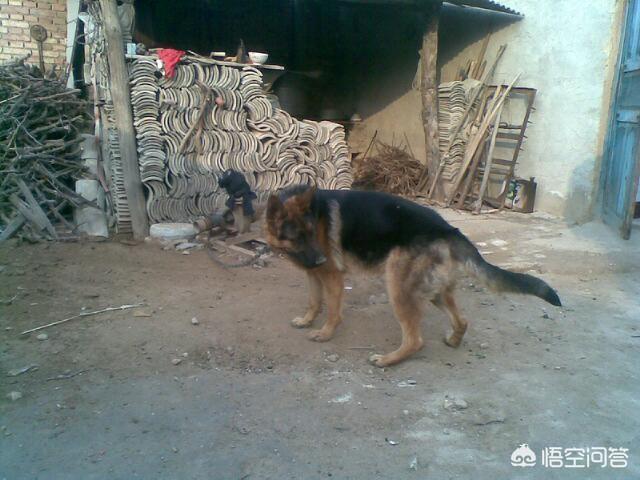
16 16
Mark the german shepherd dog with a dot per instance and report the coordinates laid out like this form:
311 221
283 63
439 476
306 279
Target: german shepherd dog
327 232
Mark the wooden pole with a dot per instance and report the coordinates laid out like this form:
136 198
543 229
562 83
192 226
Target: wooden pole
429 89
489 162
471 174
475 141
480 152
119 86
485 78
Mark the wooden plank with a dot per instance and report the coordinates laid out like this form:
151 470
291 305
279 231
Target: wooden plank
472 68
55 210
234 248
512 141
487 168
531 94
482 68
26 212
477 139
632 65
628 116
120 94
468 183
12 227
462 120
429 90
35 208
509 136
611 180
503 161
480 59
211 61
480 153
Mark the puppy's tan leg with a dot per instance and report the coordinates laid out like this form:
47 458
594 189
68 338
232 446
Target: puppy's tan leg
402 282
333 283
448 304
315 302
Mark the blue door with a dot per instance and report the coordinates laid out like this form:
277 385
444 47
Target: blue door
621 166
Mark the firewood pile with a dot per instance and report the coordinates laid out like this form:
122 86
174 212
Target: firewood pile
390 168
40 123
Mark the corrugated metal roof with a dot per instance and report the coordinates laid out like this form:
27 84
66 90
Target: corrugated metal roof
487 5
483 4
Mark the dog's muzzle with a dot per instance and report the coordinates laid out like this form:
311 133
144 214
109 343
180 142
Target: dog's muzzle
320 260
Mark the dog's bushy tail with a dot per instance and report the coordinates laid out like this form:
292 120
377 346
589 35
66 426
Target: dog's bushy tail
497 278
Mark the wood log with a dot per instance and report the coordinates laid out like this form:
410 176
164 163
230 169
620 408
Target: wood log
120 94
27 213
429 90
12 227
35 208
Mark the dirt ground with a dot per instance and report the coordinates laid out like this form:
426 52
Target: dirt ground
252 398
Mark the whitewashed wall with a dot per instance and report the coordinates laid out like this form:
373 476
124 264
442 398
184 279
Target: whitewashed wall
567 50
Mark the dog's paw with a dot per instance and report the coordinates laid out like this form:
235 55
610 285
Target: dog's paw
319 335
300 322
378 360
454 340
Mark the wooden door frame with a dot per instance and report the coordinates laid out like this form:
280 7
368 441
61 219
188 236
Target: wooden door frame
610 134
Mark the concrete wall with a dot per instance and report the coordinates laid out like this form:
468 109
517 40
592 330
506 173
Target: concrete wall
565 49
17 16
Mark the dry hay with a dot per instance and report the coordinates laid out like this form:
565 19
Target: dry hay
390 169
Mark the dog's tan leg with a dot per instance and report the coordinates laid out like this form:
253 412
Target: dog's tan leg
315 302
459 324
408 307
333 283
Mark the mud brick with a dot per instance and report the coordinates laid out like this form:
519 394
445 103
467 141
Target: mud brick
15 23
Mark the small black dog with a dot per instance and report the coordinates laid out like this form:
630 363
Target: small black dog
237 188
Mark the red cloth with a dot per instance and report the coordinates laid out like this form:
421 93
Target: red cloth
170 58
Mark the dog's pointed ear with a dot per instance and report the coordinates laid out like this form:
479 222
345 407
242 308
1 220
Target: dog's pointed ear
274 206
